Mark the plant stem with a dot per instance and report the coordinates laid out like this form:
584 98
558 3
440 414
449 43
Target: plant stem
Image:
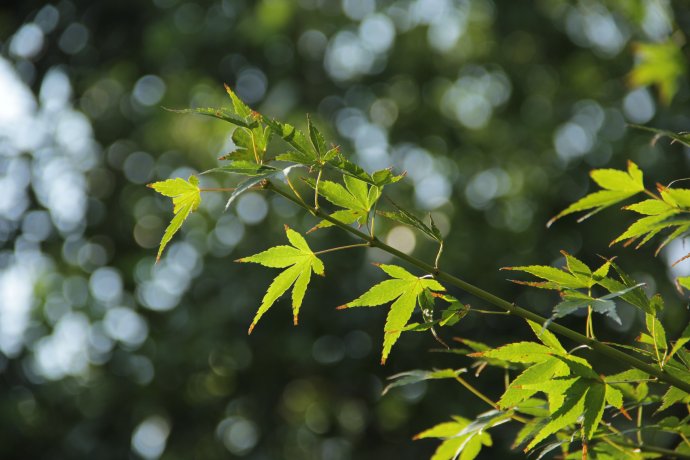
299 199
647 192
668 453
339 248
438 255
486 399
639 424
316 189
217 189
599 347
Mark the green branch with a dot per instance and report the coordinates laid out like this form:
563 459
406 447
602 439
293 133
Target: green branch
494 300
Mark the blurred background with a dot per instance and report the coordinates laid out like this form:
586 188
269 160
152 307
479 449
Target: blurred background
497 110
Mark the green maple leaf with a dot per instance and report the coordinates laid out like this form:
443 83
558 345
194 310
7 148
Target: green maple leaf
577 275
539 372
661 64
304 151
186 197
461 439
617 186
570 395
299 261
251 140
403 290
239 115
356 197
404 217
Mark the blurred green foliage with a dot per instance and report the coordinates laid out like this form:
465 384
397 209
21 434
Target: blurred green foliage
496 110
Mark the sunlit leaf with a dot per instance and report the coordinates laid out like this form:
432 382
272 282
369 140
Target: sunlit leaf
462 439
243 168
518 352
296 139
317 141
405 217
546 337
556 278
672 396
656 332
186 197
220 113
538 373
618 186
614 396
403 290
594 408
650 207
348 168
649 224
355 196
635 296
300 262
680 343
573 406
661 64
573 301
416 376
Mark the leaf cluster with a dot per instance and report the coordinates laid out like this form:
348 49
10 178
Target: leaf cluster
554 392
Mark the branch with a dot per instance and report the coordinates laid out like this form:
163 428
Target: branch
512 308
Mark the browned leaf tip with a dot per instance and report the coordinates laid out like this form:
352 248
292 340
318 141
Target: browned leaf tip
625 413
295 320
629 242
477 354
607 259
341 307
552 220
530 283
251 328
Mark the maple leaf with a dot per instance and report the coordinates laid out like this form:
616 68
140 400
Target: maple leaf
356 198
617 186
462 438
661 64
186 197
299 261
403 290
